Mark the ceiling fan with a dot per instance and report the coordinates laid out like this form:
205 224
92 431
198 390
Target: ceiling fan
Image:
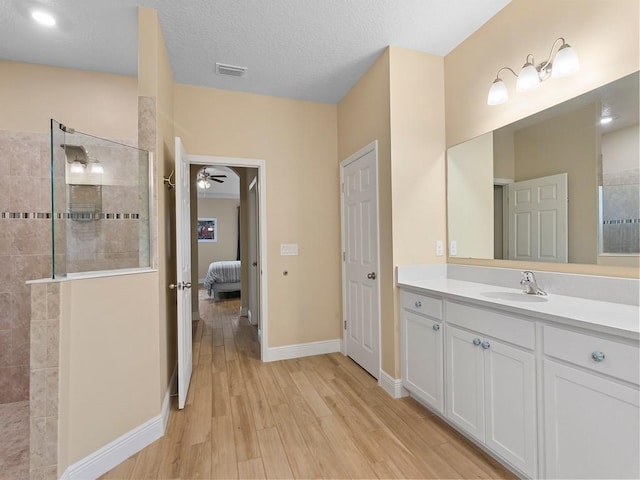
205 178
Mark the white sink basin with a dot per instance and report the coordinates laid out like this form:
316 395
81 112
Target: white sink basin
516 297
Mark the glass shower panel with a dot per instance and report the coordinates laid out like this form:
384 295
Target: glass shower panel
101 204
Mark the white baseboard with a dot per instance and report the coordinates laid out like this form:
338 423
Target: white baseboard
302 350
117 451
393 386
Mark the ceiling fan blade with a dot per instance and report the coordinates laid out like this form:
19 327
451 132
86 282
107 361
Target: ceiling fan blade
217 176
217 181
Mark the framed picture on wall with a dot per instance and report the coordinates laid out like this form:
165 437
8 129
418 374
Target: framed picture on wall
207 229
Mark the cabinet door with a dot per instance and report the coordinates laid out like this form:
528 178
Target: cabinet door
422 362
465 381
591 425
510 399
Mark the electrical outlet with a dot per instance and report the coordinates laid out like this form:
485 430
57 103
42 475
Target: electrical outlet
439 248
288 249
453 249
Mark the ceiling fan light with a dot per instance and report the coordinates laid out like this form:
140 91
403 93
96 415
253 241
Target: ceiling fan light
203 184
498 93
565 62
528 79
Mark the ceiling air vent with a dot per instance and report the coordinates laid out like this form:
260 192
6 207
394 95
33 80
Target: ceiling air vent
232 70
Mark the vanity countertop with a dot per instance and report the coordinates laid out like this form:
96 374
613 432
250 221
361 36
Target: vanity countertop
613 318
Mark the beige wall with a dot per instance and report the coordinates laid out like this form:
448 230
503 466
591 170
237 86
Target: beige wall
97 103
298 141
399 103
225 210
417 164
364 116
108 381
155 82
621 149
470 197
605 35
567 144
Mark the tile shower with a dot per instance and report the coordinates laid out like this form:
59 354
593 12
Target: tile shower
101 222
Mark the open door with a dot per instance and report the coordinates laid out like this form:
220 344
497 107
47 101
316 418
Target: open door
183 269
254 261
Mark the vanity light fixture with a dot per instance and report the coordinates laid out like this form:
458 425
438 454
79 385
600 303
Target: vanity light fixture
77 167
97 168
43 18
565 63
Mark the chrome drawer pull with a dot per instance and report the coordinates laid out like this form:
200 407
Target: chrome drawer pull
477 341
485 344
436 326
597 356
418 303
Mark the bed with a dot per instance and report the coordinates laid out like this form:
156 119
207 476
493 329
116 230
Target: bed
222 277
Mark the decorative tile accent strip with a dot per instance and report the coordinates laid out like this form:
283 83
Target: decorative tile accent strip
70 216
623 221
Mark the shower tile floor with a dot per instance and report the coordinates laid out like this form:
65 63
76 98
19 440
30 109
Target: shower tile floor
14 441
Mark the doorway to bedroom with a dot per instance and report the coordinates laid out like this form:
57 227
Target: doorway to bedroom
225 254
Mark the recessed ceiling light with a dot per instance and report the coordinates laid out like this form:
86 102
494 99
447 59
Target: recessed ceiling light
43 18
605 120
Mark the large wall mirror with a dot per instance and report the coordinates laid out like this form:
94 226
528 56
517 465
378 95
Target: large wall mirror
559 186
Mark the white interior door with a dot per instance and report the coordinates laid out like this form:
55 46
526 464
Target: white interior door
254 264
360 259
538 219
183 271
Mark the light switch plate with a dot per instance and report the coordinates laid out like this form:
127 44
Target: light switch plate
439 248
288 249
453 249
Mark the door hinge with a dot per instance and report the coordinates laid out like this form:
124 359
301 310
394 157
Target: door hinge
342 187
344 256
345 324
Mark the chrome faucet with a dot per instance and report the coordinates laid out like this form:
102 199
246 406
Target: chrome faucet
530 285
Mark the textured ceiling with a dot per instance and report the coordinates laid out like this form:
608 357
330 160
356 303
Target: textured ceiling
304 49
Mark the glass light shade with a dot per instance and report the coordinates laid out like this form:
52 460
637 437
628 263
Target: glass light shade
96 167
203 183
528 79
498 93
565 62
77 167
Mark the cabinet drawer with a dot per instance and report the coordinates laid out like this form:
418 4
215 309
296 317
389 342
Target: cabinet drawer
620 360
421 304
493 324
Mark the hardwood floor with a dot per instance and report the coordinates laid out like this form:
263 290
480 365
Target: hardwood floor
314 417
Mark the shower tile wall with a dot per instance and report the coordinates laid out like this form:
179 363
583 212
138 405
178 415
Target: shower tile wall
25 250
25 239
621 212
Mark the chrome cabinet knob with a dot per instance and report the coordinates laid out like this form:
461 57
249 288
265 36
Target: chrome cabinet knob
486 344
477 341
436 326
597 356
418 303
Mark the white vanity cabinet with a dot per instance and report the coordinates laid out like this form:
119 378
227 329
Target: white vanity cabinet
491 381
591 406
422 338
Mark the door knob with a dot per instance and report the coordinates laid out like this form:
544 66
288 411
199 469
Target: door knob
173 286
255 264
485 344
436 326
186 284
371 276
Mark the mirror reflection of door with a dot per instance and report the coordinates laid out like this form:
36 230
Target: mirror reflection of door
538 219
